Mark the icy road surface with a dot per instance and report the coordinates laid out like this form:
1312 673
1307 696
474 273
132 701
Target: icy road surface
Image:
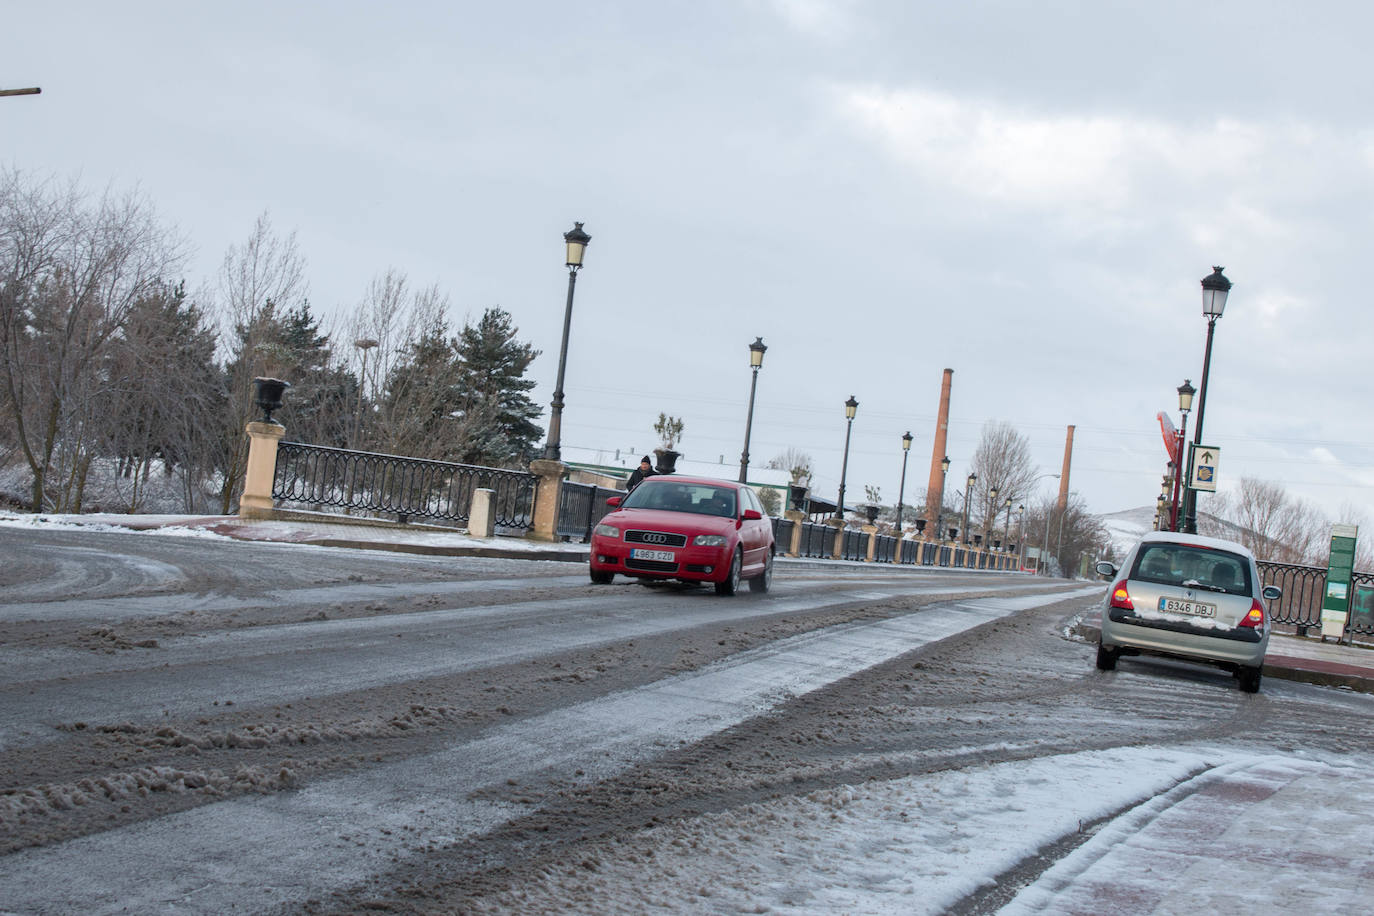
211 726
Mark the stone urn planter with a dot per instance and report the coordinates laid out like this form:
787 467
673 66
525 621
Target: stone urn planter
665 460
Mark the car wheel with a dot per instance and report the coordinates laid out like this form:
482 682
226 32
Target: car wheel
731 583
1106 658
764 580
602 577
1249 679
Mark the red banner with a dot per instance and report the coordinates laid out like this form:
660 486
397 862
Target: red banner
1166 426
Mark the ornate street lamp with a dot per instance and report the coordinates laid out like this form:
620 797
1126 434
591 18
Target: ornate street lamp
756 351
901 489
1185 404
851 407
940 513
968 496
1215 289
1006 530
576 241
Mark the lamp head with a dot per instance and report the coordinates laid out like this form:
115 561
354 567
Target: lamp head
756 351
577 241
1215 287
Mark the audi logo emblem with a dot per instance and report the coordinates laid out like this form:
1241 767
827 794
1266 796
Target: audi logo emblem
653 538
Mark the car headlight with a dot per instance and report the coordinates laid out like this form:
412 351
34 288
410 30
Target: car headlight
709 540
607 531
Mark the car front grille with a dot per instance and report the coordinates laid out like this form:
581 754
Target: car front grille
656 538
651 565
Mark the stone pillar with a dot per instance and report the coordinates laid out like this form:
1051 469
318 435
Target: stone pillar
546 496
256 501
897 552
797 518
837 547
481 520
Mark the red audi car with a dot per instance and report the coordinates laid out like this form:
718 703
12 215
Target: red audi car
689 528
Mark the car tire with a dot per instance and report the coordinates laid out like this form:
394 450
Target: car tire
602 576
1249 679
730 584
1106 658
764 580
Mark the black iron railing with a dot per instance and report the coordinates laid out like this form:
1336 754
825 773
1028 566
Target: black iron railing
782 533
817 540
319 477
884 548
854 546
580 507
1303 588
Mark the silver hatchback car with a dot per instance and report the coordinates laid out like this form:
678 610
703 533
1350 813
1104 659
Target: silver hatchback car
1190 597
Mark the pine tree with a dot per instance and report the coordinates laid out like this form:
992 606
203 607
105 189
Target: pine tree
492 392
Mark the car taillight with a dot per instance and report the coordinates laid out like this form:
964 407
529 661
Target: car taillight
1120 597
1256 616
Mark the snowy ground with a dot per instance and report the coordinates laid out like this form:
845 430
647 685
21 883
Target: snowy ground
1151 825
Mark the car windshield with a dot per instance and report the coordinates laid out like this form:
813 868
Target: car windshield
675 496
1194 567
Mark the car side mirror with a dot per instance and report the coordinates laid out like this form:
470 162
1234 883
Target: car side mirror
1272 593
1106 570
752 515
613 501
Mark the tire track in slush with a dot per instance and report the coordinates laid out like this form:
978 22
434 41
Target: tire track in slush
254 854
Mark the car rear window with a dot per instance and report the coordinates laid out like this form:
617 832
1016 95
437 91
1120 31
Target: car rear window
1194 566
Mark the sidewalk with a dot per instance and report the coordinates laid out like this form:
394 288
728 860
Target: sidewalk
365 534
1294 658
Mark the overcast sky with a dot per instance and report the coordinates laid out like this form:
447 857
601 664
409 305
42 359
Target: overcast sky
1026 193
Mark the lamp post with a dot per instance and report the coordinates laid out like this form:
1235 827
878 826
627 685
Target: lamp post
364 344
901 489
968 496
1020 535
1006 530
1185 404
940 513
756 351
851 407
990 517
1215 288
576 241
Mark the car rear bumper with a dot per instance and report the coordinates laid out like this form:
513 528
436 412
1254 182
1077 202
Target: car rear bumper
1240 646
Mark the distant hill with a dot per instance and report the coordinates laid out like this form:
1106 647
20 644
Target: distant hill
1130 525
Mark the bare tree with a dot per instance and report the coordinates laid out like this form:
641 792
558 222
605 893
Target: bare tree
1264 517
795 462
1003 463
71 270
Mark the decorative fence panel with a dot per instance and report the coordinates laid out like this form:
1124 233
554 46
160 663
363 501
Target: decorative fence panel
884 548
317 477
782 533
580 507
854 546
817 540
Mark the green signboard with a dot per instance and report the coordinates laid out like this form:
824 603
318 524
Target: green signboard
1340 566
1362 609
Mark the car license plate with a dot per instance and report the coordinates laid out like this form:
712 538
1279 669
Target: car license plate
1193 608
639 553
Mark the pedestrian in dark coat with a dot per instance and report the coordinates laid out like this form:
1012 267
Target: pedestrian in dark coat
645 469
